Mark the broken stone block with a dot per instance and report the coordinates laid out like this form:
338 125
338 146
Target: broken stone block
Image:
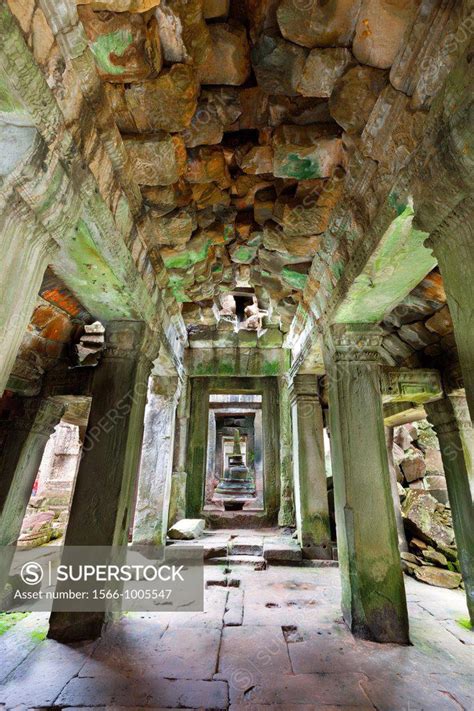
167 103
126 48
182 258
253 104
187 529
318 24
423 518
413 465
403 437
242 253
228 61
322 69
438 577
354 97
307 162
262 16
258 160
278 65
380 30
215 9
441 322
156 161
433 556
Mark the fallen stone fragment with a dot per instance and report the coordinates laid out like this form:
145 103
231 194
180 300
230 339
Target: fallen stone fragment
156 161
438 577
441 322
318 24
354 97
187 529
433 556
228 61
413 465
422 518
321 71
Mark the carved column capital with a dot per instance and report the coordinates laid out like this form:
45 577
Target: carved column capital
304 388
356 342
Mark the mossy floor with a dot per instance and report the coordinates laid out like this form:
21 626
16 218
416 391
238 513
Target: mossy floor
10 619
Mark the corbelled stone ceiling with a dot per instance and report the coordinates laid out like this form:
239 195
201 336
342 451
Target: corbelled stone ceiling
239 119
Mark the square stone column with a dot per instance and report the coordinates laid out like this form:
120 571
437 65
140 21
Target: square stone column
453 246
24 440
177 508
373 592
452 424
154 481
25 251
106 480
286 514
311 498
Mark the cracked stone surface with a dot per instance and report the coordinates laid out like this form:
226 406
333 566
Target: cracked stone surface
290 649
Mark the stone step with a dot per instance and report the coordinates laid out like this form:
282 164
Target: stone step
281 552
258 562
246 546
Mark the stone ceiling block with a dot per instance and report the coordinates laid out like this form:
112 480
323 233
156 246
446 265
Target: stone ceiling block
354 97
228 61
319 24
278 65
380 30
322 69
126 47
156 161
167 103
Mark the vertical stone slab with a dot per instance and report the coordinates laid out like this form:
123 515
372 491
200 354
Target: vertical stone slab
154 481
24 442
311 498
197 447
286 514
271 453
402 539
452 245
102 503
373 593
450 419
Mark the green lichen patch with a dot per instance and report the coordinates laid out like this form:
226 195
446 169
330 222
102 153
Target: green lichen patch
301 168
10 619
115 43
466 623
294 279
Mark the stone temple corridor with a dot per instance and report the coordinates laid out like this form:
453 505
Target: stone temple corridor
237 331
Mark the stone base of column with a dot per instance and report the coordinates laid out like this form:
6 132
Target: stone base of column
69 627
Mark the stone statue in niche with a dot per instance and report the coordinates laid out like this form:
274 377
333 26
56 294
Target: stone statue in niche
228 305
254 315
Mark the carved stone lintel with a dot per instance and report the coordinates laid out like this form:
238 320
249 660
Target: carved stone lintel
414 386
357 342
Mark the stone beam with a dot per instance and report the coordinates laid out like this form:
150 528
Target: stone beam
236 362
400 413
398 263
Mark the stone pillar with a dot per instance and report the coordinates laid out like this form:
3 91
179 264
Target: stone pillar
450 419
197 447
25 249
311 498
154 483
402 539
177 508
373 593
24 442
106 480
452 245
286 514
